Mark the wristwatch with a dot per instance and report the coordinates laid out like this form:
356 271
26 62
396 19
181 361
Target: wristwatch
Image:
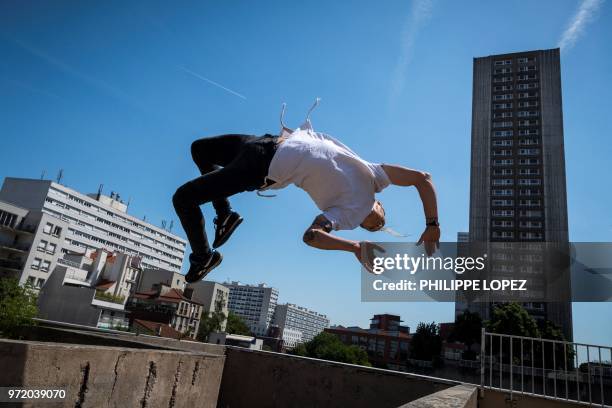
432 222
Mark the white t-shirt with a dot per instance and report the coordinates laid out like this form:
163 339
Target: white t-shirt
341 184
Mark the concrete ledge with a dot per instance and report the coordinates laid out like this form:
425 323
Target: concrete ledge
99 376
459 396
266 379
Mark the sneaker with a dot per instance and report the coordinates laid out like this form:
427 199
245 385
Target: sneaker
200 268
224 227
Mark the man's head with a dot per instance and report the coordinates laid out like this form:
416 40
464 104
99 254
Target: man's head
375 219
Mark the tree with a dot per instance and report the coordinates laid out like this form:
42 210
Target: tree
212 321
426 343
327 346
467 330
235 325
513 319
17 306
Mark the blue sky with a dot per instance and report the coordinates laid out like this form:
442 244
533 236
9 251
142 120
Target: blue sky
107 91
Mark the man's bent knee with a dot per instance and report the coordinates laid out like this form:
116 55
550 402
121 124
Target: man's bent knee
181 196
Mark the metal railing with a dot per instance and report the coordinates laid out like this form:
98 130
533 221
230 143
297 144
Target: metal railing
547 368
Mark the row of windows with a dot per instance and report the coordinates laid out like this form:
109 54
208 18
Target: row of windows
525 77
509 105
522 152
40 264
520 114
510 192
510 172
522 224
522 213
520 87
510 203
45 246
522 60
35 283
112 215
520 95
521 132
528 68
510 182
510 162
522 235
510 142
51 229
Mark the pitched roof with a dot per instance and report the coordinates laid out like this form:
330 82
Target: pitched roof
172 295
166 331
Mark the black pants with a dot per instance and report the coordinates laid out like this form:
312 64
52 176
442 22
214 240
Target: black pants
229 164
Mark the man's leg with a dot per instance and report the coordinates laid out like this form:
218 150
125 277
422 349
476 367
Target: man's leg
215 185
211 154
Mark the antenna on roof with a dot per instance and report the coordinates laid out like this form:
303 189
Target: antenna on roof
144 217
163 224
171 225
60 176
100 187
43 174
128 203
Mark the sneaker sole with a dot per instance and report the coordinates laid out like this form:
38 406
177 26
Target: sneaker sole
228 234
202 274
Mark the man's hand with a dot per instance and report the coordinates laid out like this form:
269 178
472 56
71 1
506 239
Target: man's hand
364 251
431 239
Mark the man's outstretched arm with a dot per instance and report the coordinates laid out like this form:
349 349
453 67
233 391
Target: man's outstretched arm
402 176
318 235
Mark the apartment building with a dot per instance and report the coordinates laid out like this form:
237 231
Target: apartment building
386 341
212 296
30 244
291 318
166 305
96 221
149 278
518 187
90 288
255 304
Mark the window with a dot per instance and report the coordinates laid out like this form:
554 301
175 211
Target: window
40 282
530 182
45 266
502 124
503 213
36 263
502 172
528 104
502 88
502 143
504 192
503 62
527 68
502 224
502 203
530 192
503 182
526 77
528 122
57 231
502 97
503 79
51 248
529 162
503 162
502 234
529 171
523 95
498 115
502 106
523 114
530 203
530 85
42 245
529 152
7 219
531 213
503 70
503 133
531 235
31 281
502 152
47 228
525 60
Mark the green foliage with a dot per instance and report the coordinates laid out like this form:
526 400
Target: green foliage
327 346
512 318
467 330
235 325
101 295
426 343
17 307
212 321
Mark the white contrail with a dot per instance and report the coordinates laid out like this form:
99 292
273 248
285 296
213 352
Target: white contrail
585 14
210 81
419 15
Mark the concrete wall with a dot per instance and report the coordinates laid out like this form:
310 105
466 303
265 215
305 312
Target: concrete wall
495 399
97 376
459 396
269 379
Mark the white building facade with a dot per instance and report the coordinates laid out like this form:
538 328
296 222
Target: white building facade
255 304
298 318
97 221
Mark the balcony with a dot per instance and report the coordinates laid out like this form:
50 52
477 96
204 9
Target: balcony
11 264
14 247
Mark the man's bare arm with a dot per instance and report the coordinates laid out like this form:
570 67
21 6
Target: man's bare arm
402 176
318 236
